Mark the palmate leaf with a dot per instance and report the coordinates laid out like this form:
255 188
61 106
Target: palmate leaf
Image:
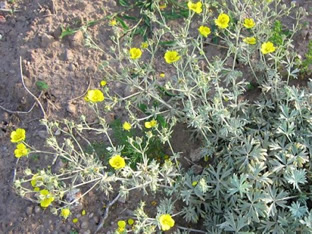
218 178
234 223
254 207
296 177
297 210
239 185
275 198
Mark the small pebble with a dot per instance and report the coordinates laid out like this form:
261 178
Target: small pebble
87 232
84 225
96 219
37 209
29 210
91 215
71 108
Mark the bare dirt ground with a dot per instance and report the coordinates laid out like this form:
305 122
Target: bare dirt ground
69 68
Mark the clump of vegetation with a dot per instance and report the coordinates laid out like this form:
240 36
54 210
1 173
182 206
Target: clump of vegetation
254 155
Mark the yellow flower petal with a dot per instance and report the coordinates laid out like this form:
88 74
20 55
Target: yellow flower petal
117 162
130 221
103 83
20 150
94 95
249 23
65 213
126 126
171 56
121 224
196 7
166 222
222 21
204 31
250 40
18 135
267 47
135 53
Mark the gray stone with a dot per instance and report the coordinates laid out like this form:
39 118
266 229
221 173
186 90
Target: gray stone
43 134
96 219
37 209
77 39
68 55
84 225
71 108
29 210
46 40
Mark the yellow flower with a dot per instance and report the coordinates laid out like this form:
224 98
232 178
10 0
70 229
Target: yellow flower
163 6
250 40
196 7
267 47
121 226
35 179
194 183
103 83
166 222
222 21
162 75
121 223
117 162
47 198
204 31
144 45
65 213
20 150
171 56
94 95
150 124
83 212
18 135
75 220
135 53
249 23
113 22
126 126
130 221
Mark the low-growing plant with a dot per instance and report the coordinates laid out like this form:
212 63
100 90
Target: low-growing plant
254 157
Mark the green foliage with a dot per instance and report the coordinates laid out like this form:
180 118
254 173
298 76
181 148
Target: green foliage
278 33
307 61
42 85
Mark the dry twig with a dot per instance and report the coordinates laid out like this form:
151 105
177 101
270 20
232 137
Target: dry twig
105 215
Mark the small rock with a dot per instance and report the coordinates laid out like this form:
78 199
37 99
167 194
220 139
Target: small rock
43 134
196 155
91 215
71 108
37 209
71 67
122 199
77 39
57 132
197 169
112 3
84 225
87 232
68 55
46 40
57 33
96 219
29 210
